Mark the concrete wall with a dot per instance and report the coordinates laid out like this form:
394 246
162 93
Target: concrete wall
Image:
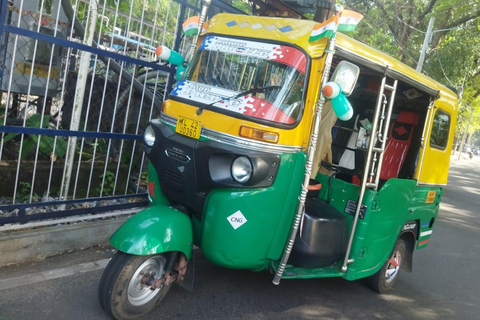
41 242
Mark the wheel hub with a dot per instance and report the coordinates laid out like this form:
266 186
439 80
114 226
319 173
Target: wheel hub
140 290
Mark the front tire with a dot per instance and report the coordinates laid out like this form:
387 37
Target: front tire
121 292
385 278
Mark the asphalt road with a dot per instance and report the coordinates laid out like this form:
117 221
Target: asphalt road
444 284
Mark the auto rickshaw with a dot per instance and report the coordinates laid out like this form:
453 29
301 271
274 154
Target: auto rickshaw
248 163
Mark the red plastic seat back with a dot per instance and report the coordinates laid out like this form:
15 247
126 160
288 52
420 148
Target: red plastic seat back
398 143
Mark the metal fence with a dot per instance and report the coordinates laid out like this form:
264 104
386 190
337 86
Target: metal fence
79 80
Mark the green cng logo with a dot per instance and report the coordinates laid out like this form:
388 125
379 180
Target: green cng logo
237 220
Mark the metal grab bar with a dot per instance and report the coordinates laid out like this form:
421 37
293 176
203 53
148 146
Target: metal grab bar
372 164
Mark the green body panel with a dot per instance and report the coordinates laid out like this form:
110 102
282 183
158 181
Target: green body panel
156 229
259 242
425 214
157 198
388 210
268 212
396 203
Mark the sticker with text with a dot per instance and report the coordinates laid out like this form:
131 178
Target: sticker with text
237 220
431 196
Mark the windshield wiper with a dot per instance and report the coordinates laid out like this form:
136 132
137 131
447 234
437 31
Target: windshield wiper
244 93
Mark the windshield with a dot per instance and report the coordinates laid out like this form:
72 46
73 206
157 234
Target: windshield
254 79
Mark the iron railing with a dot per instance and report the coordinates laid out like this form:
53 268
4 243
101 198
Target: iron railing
79 80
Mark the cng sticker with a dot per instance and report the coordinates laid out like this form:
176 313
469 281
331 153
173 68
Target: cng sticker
431 196
237 220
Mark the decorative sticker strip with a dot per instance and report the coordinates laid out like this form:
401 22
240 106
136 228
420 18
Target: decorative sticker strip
202 93
256 26
223 98
421 243
281 54
426 233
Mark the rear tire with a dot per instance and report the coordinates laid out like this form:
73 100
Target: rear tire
121 293
385 278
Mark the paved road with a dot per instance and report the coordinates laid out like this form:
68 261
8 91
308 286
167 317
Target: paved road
444 284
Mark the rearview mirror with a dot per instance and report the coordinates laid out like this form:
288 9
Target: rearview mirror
346 75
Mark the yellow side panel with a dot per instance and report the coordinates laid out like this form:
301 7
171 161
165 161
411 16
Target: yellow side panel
434 165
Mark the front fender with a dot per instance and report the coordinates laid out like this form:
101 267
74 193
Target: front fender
156 229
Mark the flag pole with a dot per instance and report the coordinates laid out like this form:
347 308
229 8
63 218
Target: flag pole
330 50
203 17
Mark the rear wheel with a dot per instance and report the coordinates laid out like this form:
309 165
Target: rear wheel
123 292
385 278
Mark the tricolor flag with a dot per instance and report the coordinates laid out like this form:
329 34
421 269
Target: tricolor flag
190 26
325 29
348 20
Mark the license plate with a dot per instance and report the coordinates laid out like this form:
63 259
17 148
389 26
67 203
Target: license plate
188 127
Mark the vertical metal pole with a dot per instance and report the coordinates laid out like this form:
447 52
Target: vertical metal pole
203 17
79 94
308 166
176 46
3 17
426 42
3 21
385 128
178 34
366 173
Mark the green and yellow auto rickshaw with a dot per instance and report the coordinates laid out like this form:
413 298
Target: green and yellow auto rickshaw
249 163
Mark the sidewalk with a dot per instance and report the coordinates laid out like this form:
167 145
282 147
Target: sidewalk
60 287
463 156
63 265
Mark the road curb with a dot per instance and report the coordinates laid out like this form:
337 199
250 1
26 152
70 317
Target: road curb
39 243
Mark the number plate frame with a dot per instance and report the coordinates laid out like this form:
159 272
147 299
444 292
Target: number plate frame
188 127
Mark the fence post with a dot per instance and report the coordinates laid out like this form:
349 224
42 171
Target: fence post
79 95
3 21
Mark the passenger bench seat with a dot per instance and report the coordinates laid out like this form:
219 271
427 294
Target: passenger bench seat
398 143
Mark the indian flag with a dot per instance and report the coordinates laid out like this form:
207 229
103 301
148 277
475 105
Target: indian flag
325 29
349 20
190 26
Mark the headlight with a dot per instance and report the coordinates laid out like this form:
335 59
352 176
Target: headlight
242 169
149 136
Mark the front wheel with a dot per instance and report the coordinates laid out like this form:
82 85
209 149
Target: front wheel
122 291
385 278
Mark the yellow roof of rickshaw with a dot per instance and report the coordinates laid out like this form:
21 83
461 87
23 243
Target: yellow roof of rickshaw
297 32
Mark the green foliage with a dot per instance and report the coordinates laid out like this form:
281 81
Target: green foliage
108 184
398 28
243 5
47 6
45 143
159 13
24 190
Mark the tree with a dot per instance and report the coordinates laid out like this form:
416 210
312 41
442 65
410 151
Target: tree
406 22
399 28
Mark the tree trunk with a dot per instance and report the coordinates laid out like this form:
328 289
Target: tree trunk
324 10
